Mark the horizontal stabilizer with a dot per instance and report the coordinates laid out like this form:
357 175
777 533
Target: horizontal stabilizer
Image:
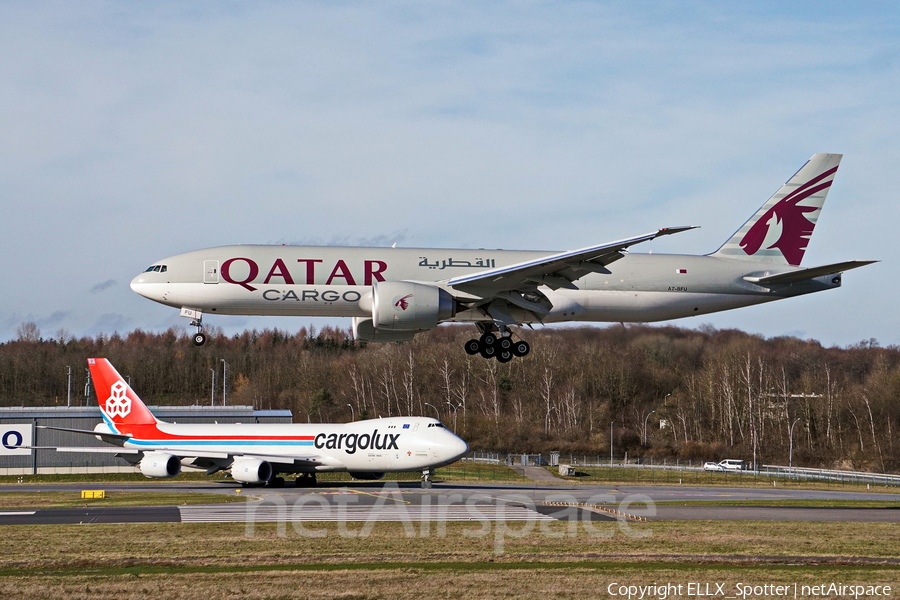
804 274
120 436
103 450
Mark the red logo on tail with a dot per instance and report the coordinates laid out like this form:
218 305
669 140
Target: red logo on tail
791 215
118 403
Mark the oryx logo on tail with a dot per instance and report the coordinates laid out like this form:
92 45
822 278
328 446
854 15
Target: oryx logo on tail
780 230
118 403
786 225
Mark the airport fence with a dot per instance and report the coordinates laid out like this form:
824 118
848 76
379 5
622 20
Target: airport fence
669 469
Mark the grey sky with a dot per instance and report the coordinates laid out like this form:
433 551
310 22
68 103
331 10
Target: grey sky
133 131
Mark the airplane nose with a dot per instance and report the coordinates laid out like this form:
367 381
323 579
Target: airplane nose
460 448
138 286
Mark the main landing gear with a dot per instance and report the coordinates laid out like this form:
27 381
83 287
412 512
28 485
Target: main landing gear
305 480
501 347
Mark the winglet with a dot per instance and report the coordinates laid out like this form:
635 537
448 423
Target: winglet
671 230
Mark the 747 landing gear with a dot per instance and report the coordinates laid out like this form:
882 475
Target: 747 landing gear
426 478
503 348
305 480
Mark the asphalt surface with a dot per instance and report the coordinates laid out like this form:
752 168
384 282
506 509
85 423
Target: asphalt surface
407 501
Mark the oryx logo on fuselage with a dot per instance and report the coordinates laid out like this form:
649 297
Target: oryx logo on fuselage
118 403
790 215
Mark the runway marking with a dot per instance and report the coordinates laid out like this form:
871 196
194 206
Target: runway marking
269 513
380 494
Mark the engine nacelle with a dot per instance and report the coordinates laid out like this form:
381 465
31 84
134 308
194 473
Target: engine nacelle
364 330
365 475
251 470
408 306
160 464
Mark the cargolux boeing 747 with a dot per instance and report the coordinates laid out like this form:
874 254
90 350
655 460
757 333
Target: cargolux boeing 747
256 453
394 293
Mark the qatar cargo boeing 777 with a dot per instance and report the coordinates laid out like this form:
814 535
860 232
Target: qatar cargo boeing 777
256 453
394 293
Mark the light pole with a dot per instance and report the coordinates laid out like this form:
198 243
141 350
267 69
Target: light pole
224 381
611 442
645 425
455 410
352 413
791 445
212 389
436 411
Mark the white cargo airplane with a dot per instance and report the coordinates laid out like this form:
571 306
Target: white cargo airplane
394 293
256 453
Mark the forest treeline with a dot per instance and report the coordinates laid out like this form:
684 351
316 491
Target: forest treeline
669 392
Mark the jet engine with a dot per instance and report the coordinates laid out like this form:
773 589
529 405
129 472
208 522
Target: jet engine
408 306
365 475
160 464
251 470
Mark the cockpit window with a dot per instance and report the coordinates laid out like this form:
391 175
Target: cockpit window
162 269
435 424
156 269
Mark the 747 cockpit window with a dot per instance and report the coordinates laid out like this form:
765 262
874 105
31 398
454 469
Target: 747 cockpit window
156 269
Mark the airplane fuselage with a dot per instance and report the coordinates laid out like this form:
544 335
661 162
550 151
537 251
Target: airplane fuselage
374 445
335 282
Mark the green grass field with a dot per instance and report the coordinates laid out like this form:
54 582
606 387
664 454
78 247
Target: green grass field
221 561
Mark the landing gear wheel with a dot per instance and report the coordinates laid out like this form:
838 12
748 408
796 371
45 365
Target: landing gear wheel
426 479
472 347
504 356
199 338
505 343
521 348
489 339
488 351
276 482
306 480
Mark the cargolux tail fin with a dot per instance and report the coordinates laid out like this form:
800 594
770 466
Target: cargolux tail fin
122 409
779 231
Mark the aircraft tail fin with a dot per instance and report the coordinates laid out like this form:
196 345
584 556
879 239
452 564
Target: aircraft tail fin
121 407
780 230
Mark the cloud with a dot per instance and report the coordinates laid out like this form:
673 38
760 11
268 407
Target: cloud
103 286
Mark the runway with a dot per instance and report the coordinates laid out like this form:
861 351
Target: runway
406 502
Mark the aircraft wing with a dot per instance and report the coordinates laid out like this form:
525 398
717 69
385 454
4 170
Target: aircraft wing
810 273
555 271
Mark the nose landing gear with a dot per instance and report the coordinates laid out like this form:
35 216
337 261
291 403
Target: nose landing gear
196 318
